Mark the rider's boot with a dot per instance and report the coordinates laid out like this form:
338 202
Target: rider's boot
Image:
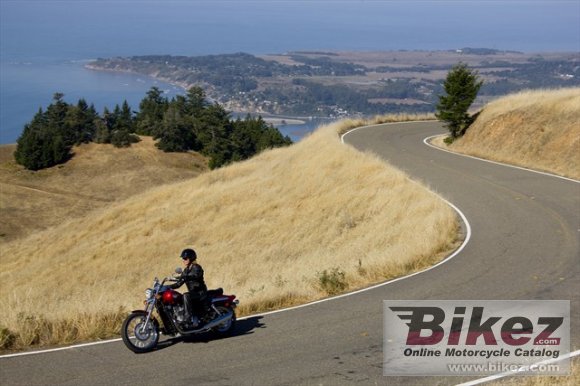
194 321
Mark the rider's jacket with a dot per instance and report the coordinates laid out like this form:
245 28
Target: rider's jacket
192 276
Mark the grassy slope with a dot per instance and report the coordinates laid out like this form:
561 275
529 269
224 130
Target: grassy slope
265 229
535 129
95 177
572 380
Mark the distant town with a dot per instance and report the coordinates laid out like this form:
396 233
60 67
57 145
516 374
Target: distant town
339 84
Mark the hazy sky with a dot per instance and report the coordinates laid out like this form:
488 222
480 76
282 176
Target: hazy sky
126 27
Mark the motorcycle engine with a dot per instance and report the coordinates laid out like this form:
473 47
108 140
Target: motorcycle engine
179 312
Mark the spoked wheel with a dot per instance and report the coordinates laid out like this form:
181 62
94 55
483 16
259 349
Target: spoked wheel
137 336
226 327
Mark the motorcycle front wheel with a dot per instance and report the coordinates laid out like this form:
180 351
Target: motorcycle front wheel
137 336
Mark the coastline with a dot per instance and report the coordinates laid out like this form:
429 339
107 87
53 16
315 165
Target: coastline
276 120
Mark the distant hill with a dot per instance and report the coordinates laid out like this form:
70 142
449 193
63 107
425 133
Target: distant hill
95 177
537 129
348 84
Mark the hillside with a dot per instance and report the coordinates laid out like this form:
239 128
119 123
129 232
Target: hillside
534 129
95 177
290 225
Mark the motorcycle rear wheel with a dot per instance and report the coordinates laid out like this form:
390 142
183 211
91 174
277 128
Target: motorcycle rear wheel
138 337
227 327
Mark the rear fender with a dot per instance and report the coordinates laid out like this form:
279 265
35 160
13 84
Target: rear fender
225 300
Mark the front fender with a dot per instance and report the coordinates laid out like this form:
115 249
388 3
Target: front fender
144 313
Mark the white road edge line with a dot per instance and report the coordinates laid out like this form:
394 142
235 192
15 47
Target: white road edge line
455 253
59 348
426 142
514 372
522 369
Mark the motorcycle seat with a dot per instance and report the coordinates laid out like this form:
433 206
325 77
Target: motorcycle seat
215 292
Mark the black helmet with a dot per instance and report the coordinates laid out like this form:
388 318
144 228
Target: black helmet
188 254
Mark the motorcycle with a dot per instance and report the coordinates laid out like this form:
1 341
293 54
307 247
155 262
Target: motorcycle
141 329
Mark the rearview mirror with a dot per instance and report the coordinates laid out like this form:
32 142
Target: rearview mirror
178 270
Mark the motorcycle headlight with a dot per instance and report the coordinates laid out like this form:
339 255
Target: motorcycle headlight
148 293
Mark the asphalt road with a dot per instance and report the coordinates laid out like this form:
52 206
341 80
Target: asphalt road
525 244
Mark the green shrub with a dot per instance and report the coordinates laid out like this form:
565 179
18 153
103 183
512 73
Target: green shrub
449 140
332 282
7 338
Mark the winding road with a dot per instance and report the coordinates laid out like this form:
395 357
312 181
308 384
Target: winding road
525 244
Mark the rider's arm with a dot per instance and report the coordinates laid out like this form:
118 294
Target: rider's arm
178 283
195 274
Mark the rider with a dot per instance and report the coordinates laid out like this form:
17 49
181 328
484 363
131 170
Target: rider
192 276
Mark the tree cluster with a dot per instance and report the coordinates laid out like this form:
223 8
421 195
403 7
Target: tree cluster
49 137
181 124
190 122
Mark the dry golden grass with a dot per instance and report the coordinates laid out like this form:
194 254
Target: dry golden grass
95 177
535 129
267 229
572 380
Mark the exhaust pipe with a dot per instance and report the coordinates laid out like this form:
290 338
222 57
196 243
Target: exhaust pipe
210 325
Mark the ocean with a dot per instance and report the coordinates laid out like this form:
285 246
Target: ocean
45 44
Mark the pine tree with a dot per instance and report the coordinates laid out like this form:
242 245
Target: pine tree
122 126
461 88
151 110
124 118
176 135
214 132
80 123
196 101
103 127
253 135
42 144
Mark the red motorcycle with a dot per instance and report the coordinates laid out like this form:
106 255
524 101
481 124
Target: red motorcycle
141 329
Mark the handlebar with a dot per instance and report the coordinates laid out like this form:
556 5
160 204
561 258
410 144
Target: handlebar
169 279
